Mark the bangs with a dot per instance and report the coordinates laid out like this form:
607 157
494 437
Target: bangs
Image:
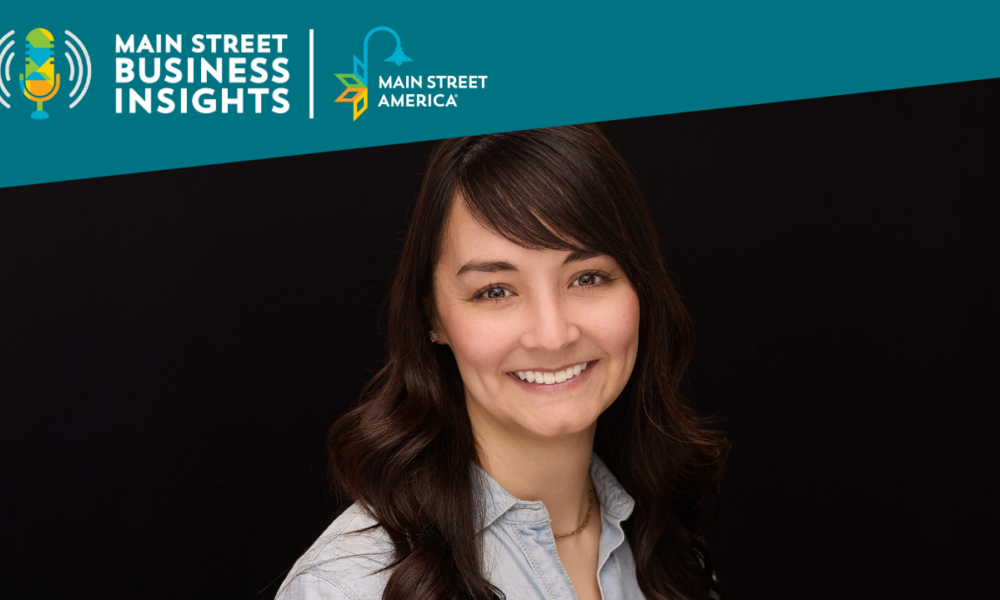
552 193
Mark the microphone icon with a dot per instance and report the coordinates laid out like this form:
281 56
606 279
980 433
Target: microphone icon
39 82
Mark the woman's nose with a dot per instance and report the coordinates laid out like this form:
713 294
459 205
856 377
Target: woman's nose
551 325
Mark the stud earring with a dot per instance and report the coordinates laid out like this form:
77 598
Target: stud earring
434 336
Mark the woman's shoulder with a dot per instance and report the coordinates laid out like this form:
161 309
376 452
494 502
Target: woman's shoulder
344 563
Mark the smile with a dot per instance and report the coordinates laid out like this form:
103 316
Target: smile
551 378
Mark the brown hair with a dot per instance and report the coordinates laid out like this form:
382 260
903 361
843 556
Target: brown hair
400 452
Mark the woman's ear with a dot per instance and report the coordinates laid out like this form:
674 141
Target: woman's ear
430 312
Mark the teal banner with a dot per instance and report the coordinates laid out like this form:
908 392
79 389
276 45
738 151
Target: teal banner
97 89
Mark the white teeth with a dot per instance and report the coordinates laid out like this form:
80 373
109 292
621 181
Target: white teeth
551 378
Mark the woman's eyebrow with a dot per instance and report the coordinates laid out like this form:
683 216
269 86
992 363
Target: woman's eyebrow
495 266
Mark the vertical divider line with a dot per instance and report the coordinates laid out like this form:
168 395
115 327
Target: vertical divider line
311 87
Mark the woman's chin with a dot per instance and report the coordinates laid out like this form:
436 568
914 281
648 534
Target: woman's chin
557 426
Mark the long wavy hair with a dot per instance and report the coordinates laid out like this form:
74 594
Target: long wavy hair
406 452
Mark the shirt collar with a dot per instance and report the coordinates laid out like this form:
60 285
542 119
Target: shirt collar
613 498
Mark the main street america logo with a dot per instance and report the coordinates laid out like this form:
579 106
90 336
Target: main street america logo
357 83
357 90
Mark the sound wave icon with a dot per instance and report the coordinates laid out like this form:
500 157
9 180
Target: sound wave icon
78 62
5 66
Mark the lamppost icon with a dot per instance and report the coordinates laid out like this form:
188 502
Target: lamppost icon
357 90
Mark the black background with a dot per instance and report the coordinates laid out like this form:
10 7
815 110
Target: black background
174 346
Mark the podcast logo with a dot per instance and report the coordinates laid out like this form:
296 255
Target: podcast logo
357 90
40 82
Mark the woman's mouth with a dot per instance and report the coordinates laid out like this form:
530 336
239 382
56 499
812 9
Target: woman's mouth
545 380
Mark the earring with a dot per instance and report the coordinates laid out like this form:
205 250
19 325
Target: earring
434 336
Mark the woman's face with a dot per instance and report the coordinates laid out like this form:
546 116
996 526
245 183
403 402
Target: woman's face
507 311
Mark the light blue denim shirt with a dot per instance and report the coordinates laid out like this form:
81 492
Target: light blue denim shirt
519 551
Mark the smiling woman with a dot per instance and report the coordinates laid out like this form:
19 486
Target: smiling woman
554 311
526 438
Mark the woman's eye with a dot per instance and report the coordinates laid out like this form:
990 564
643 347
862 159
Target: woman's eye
495 293
589 279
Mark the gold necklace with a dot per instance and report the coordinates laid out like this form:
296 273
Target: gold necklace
590 504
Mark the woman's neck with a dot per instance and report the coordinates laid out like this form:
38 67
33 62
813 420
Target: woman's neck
554 471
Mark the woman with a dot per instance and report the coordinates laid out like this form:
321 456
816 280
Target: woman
526 438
